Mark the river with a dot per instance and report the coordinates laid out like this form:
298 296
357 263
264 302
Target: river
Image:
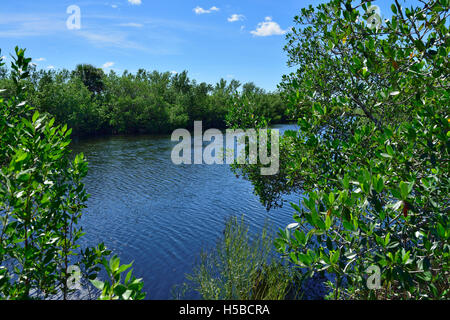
160 215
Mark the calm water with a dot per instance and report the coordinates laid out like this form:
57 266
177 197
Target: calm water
146 209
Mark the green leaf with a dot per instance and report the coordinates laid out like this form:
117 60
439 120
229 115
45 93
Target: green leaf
394 8
98 284
124 267
335 257
347 225
128 277
386 239
379 185
327 223
45 198
305 259
20 156
126 295
405 257
331 198
35 116
114 263
300 236
389 150
346 182
404 190
293 257
296 207
419 45
441 230
119 289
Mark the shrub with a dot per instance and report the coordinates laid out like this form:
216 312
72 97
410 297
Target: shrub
41 201
241 268
371 154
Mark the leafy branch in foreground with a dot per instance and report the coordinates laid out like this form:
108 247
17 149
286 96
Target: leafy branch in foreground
129 289
371 156
41 201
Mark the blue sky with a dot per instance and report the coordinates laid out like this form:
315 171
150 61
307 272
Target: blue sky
210 39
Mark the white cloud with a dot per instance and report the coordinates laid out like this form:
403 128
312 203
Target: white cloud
40 59
107 65
115 6
131 24
110 39
200 10
27 25
268 28
50 67
173 72
236 17
135 2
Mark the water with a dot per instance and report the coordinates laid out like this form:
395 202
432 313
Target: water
160 215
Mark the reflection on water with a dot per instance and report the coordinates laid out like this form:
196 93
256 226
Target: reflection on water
159 214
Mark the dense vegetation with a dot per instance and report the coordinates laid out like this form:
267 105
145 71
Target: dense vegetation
91 102
371 159
371 156
41 201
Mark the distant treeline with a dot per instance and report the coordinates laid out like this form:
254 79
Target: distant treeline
92 102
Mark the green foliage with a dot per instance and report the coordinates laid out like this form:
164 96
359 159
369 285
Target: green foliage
240 268
91 102
371 155
130 289
91 77
254 108
41 198
41 201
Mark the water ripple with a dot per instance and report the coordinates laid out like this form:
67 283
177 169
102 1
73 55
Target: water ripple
160 215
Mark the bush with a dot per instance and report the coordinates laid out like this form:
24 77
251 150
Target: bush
371 155
241 268
41 201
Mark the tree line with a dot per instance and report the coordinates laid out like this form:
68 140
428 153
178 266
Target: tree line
93 103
